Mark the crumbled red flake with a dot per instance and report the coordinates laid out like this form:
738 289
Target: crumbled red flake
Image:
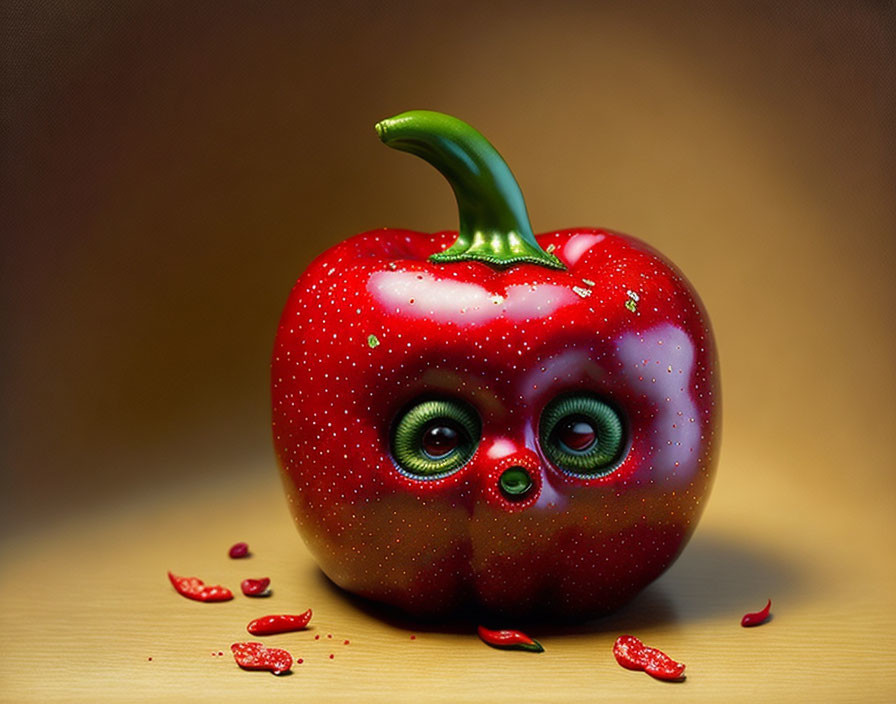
509 639
332 656
194 588
632 654
757 618
255 656
238 550
255 587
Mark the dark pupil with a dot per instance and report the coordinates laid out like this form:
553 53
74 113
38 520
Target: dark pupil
577 435
440 440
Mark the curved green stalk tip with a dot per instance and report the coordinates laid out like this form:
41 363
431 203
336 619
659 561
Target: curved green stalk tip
494 224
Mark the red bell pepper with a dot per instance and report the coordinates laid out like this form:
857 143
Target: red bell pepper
489 418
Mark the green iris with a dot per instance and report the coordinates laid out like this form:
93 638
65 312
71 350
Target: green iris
434 438
582 435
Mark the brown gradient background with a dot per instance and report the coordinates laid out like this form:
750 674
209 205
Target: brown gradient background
169 169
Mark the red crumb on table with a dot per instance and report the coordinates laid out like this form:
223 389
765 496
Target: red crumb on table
757 618
332 656
632 654
255 656
413 637
194 588
509 640
278 623
345 642
255 587
238 550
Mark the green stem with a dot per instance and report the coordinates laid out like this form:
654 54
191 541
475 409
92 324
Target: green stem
494 225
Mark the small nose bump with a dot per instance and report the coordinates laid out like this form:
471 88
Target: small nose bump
515 483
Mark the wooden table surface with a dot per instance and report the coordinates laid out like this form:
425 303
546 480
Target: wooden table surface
88 613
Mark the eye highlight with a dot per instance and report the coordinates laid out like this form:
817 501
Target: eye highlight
582 435
434 438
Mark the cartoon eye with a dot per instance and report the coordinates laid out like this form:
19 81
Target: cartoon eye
434 438
582 435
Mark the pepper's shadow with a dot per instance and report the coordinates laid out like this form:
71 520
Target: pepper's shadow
715 577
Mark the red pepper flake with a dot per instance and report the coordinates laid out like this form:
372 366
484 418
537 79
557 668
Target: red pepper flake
279 623
300 661
509 640
632 654
255 656
317 637
238 550
757 618
149 658
332 656
195 588
256 587
345 642
329 635
413 637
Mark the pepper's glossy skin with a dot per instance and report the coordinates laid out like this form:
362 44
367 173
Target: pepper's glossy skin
373 325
